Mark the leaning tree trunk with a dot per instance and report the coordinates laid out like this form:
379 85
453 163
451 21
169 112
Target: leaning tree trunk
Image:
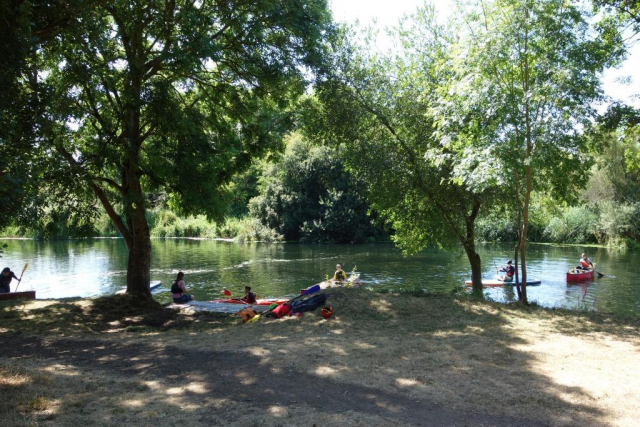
470 248
476 269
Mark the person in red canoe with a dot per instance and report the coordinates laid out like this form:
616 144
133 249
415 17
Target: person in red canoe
509 270
339 275
585 263
249 297
179 290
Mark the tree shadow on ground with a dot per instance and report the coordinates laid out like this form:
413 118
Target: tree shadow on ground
106 314
382 360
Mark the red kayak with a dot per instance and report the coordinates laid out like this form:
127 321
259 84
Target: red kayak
578 274
265 301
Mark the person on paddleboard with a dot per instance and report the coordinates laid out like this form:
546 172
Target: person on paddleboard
509 270
585 263
179 290
339 275
5 280
249 297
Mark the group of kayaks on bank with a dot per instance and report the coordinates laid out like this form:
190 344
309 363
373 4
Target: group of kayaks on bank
252 308
585 270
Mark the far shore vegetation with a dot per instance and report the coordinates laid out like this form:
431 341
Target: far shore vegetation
597 217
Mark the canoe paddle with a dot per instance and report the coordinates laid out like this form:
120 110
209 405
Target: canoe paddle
20 279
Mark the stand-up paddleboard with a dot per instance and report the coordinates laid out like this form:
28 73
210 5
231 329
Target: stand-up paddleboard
493 283
153 285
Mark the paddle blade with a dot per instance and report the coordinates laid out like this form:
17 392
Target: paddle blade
24 269
227 292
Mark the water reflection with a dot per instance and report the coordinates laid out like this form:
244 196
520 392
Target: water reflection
98 266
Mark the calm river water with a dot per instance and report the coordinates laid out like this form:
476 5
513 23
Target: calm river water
97 267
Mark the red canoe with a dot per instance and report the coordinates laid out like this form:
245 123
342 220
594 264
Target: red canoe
577 274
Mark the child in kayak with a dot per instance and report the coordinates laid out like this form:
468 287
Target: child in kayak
510 271
339 275
179 289
249 297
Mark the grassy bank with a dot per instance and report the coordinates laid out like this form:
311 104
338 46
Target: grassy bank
380 361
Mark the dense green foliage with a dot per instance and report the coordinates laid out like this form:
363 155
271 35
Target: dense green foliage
132 97
308 196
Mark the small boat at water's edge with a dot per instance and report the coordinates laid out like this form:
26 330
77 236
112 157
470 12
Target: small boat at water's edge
18 295
578 274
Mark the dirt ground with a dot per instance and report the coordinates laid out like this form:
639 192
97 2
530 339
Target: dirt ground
382 360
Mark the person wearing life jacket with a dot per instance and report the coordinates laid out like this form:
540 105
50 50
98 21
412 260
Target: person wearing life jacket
249 297
509 270
339 275
5 280
179 290
585 263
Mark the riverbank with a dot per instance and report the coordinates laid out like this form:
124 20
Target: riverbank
382 360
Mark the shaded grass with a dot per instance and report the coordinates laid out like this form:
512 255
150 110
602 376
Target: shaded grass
558 367
118 313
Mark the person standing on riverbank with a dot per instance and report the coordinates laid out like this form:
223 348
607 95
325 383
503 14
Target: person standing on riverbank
179 289
5 280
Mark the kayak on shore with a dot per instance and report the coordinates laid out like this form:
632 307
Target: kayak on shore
578 274
492 283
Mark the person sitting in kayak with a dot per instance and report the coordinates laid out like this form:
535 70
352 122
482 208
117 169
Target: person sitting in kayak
5 280
510 271
585 263
179 289
249 297
339 275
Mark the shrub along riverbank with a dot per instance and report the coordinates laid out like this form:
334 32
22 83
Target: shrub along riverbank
381 360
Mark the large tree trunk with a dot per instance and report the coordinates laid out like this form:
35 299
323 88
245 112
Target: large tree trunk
476 269
470 248
139 264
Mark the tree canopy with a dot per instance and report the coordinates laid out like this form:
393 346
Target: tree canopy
134 96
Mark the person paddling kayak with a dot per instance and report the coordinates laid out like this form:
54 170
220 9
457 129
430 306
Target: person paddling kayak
179 289
585 263
339 275
5 280
249 297
510 271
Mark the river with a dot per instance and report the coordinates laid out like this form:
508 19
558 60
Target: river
84 268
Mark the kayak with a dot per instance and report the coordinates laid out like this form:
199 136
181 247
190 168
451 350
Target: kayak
353 281
577 274
18 295
488 283
261 302
154 284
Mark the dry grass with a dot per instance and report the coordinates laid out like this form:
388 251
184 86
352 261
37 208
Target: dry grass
555 367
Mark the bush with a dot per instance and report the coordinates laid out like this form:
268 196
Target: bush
309 196
576 225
